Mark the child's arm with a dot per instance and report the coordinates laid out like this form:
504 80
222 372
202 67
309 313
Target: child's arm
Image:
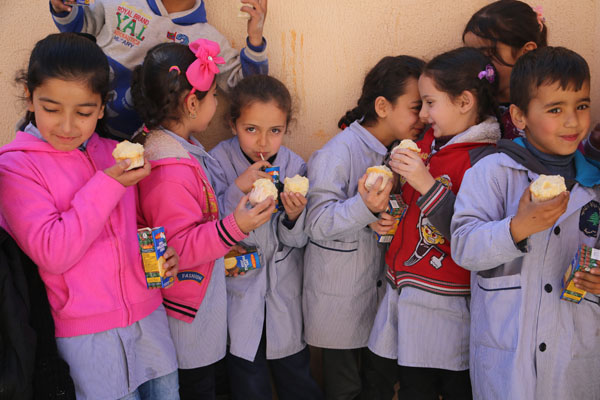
56 239
171 204
330 213
483 237
436 201
85 19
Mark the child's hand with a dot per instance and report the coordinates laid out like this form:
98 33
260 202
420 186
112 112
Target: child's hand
588 281
171 264
383 224
374 200
258 12
128 178
248 219
293 203
595 137
248 177
410 165
60 6
536 217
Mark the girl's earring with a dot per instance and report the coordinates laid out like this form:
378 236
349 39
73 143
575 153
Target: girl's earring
193 115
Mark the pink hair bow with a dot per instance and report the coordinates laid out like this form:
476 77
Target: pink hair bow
201 73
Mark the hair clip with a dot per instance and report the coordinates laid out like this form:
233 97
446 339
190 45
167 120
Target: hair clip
488 73
540 16
175 68
145 130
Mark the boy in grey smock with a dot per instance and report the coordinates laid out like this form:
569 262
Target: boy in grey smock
526 342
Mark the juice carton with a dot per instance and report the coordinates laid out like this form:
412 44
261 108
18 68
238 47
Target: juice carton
585 259
236 262
396 208
153 245
274 172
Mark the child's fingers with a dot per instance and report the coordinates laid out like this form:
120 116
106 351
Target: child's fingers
263 174
260 164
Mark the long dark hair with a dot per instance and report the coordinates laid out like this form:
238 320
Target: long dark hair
388 79
458 70
69 57
511 22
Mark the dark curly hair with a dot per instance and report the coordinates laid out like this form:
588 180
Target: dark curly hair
157 89
69 57
458 70
511 22
388 79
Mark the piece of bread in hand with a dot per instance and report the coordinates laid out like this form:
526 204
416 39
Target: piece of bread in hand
132 151
547 187
261 189
297 184
375 172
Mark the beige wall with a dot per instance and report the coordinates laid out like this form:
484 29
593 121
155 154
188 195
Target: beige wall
320 48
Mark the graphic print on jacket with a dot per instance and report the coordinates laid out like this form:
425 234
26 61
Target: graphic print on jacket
430 237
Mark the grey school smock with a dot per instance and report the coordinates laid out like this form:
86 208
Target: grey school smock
343 263
272 294
526 343
109 365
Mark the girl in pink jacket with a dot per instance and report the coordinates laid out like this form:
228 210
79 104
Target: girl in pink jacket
72 210
174 93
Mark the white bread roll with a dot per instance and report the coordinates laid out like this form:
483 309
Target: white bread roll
547 187
375 172
132 151
261 189
407 144
297 184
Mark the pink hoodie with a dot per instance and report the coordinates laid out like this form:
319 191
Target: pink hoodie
78 225
178 196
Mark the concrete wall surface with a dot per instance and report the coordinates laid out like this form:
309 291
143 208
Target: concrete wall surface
321 49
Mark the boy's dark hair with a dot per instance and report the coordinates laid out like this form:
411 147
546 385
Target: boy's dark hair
69 57
388 79
458 70
511 22
261 88
546 66
157 89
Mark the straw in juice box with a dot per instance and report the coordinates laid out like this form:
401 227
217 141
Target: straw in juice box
153 245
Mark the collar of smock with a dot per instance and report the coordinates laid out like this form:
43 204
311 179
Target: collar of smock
367 137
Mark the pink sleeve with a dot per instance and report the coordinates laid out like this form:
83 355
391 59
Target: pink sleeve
169 203
56 240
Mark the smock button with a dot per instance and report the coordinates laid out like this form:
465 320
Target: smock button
543 347
548 288
557 230
379 283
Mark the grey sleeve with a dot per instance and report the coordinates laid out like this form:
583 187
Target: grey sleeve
480 233
331 214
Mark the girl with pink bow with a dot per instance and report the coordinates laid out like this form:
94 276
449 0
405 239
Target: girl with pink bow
174 91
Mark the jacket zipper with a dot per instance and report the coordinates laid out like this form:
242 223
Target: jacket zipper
116 244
